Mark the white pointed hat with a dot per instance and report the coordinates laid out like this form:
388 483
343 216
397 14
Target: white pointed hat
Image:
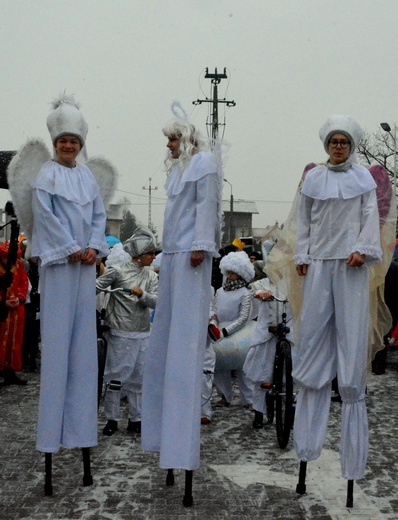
66 119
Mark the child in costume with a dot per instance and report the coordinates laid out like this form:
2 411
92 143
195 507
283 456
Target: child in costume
231 312
128 322
259 363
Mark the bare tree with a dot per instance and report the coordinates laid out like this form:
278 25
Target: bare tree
378 148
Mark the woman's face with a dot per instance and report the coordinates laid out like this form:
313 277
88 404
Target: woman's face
173 144
339 149
232 277
67 148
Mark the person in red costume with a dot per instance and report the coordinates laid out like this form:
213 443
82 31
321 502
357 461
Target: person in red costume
12 328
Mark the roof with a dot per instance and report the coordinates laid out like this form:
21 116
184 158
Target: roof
115 212
240 206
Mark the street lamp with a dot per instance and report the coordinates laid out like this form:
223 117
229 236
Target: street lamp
387 128
231 216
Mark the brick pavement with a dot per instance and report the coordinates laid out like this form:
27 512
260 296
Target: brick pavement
243 475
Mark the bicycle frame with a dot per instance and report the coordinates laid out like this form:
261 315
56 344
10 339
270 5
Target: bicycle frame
280 398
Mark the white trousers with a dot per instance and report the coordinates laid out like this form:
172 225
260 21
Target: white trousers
171 391
69 360
223 384
259 368
207 379
124 362
333 338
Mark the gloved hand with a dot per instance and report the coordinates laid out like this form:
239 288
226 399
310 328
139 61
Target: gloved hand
215 333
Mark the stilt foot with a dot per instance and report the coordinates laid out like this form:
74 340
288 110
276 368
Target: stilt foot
170 478
187 501
87 480
350 493
87 477
301 487
188 498
48 488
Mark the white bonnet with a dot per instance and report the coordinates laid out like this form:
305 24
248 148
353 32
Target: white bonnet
141 242
339 124
238 262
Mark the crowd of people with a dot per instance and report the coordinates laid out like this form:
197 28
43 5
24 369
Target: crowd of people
170 332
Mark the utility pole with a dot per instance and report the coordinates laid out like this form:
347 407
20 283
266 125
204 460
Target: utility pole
150 189
214 125
214 122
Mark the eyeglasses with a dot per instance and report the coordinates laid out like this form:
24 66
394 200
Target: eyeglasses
334 143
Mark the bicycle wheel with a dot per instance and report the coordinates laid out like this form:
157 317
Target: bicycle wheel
283 382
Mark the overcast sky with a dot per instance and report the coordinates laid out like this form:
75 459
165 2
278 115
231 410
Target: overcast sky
290 64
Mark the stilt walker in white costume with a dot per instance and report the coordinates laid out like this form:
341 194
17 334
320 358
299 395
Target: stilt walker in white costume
127 319
66 231
171 399
338 239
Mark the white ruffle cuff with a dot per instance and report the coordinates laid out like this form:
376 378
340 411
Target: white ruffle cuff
301 259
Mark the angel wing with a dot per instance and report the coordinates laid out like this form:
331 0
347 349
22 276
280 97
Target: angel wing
106 176
21 173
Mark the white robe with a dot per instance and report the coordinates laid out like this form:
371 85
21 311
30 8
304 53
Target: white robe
171 399
68 216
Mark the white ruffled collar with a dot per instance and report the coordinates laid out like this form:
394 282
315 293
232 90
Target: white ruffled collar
74 184
322 183
200 165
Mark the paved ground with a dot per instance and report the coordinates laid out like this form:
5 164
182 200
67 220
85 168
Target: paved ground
244 475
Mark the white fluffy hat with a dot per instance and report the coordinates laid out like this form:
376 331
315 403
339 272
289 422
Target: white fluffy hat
141 242
340 124
66 119
239 263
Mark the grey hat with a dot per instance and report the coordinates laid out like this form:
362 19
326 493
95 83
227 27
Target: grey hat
141 242
340 124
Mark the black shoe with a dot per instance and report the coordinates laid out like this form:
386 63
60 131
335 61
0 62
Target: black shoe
258 422
11 378
134 426
110 428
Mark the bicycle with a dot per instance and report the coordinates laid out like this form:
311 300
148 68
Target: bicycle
280 398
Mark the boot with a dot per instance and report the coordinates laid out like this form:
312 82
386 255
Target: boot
134 426
110 428
258 422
